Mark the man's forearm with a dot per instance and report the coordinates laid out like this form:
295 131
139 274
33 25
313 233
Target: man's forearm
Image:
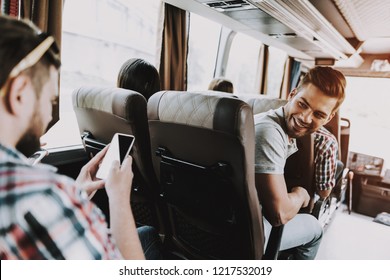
124 230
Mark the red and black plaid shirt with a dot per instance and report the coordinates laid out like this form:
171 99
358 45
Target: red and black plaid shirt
44 216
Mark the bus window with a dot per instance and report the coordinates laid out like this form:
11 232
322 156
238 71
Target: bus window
275 70
242 66
97 37
202 51
366 106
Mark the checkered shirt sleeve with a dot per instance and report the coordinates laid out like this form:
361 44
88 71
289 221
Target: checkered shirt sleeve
326 149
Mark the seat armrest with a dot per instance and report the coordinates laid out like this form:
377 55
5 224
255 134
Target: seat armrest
91 146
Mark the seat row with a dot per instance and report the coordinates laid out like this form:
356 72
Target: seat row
193 166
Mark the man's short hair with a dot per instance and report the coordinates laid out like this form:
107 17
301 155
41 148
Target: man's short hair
330 81
18 38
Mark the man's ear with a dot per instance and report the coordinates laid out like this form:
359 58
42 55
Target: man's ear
292 94
17 94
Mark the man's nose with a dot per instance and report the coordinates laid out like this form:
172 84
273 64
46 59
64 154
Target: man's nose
306 116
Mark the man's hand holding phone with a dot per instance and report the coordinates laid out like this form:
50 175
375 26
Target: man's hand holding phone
119 149
99 166
119 181
116 169
87 180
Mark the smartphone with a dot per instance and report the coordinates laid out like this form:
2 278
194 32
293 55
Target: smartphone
120 147
37 157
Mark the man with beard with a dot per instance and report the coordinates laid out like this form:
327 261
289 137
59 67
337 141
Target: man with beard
45 215
310 106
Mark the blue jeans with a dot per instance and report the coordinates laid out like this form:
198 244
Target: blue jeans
301 236
151 242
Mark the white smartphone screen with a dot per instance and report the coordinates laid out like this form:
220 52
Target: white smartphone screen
120 147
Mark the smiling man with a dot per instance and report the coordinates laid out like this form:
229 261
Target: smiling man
310 106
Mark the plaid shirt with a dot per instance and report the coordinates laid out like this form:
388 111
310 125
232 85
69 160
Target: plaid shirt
326 149
44 216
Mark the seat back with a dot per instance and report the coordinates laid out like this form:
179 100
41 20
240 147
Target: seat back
203 154
344 139
299 169
103 111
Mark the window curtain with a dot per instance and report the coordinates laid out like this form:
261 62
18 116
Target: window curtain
264 70
173 65
285 89
46 14
291 76
259 71
295 74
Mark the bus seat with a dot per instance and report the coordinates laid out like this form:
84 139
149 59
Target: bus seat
203 153
261 103
103 111
344 139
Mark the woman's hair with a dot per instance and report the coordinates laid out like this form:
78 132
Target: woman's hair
139 75
221 84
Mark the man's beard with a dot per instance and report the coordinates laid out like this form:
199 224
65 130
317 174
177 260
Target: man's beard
30 143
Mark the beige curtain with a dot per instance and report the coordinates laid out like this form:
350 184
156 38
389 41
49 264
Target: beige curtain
46 14
259 71
265 58
173 65
286 83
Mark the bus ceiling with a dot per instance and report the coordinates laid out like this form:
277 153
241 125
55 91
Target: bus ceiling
351 35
